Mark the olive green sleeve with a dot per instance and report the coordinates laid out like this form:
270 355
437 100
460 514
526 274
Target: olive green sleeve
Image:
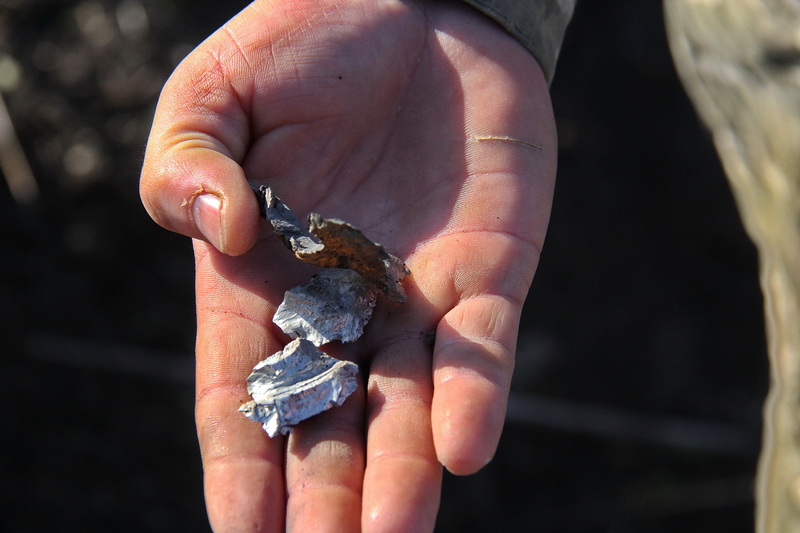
538 24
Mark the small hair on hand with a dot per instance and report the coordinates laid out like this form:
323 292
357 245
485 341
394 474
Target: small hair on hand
506 138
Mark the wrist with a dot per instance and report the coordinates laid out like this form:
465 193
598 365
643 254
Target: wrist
539 26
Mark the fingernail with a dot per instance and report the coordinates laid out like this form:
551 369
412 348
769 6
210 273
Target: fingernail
206 212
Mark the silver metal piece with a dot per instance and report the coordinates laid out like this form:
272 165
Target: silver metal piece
335 304
287 226
301 381
295 384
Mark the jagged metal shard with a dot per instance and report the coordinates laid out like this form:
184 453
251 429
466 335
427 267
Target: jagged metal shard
335 304
286 225
295 384
347 247
333 243
300 381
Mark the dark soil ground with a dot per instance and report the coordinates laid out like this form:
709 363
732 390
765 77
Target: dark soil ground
641 366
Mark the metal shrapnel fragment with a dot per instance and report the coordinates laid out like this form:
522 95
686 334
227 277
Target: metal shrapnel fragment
335 304
333 243
347 247
301 381
287 226
297 383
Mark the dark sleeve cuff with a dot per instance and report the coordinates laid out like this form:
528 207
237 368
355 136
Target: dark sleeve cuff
538 24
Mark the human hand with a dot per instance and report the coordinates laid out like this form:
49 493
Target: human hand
429 128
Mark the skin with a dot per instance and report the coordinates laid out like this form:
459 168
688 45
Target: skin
401 118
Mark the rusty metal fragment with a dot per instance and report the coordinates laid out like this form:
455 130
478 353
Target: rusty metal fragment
347 247
335 304
295 384
333 243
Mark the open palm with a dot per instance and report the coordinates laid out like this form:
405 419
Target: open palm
430 129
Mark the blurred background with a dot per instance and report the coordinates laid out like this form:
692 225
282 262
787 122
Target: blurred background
641 371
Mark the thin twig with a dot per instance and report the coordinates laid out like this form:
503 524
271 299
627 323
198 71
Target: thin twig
115 358
624 425
13 163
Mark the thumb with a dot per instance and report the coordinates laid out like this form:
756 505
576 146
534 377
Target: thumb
191 181
201 193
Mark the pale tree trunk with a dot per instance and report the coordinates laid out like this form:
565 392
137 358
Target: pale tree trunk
740 63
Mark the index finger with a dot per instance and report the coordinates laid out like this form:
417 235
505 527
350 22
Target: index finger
243 468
